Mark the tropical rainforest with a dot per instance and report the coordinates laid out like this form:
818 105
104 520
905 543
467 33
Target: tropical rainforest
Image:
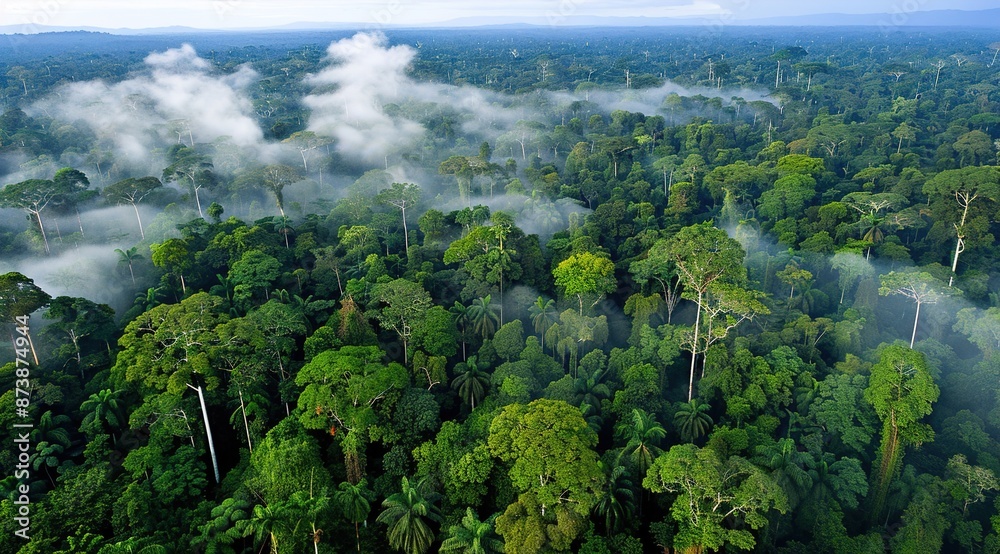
515 290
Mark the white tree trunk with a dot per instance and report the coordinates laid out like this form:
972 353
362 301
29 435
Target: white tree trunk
694 347
208 431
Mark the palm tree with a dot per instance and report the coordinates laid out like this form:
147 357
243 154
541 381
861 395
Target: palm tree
593 417
102 406
483 316
462 321
51 439
543 315
283 225
787 465
354 503
149 299
618 503
871 230
692 420
641 434
128 257
408 513
589 388
472 536
224 289
471 383
265 525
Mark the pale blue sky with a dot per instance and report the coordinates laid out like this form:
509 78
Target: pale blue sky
222 14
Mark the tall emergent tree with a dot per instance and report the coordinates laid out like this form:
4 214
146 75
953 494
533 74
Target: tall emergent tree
400 196
192 168
404 305
919 286
132 191
965 197
273 178
19 296
704 255
901 389
34 195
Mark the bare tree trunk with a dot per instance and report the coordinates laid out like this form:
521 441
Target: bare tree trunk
45 240
694 347
208 431
142 233
406 235
197 201
245 424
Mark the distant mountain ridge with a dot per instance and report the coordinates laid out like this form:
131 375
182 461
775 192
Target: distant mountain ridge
937 18
989 18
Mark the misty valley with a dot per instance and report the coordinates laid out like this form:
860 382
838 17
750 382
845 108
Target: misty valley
507 289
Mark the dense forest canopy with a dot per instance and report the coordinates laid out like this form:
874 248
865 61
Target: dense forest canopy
509 290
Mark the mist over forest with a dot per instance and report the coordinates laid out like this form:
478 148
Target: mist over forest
502 290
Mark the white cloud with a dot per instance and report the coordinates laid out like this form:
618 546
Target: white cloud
180 98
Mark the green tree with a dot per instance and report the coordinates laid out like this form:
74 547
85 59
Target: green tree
354 502
965 198
529 527
32 196
543 314
508 341
483 316
403 305
252 278
221 530
904 132
51 440
919 286
793 276
173 256
692 420
471 383
617 504
641 433
658 265
129 257
472 536
81 329
400 196
586 273
408 514
709 491
703 255
974 148
132 191
550 450
981 327
191 167
463 172
347 391
272 178
850 267
902 390
103 413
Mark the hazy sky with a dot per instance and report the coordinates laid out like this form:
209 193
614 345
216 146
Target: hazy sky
262 13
